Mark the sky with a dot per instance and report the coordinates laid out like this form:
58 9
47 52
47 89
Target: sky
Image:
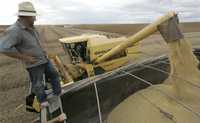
102 11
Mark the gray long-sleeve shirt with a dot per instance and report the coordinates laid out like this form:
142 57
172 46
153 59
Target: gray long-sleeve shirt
19 38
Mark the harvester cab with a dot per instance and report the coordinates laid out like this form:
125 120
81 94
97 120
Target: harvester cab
76 47
85 49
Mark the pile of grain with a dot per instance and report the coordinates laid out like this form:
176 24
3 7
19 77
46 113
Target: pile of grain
175 101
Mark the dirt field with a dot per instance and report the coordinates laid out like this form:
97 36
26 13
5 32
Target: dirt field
128 29
14 79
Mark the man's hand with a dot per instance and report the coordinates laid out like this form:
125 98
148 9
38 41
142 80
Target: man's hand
30 59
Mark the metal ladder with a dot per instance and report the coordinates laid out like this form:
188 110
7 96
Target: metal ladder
55 103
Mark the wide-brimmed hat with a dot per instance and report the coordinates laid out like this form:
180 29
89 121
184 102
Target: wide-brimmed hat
26 9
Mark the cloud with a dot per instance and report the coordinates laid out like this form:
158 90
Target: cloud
102 11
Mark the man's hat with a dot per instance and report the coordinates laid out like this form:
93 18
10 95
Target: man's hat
26 9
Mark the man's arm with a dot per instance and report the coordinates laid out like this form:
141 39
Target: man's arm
23 57
8 41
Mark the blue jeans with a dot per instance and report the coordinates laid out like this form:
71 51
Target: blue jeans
36 77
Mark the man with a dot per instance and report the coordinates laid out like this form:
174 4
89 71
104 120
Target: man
21 41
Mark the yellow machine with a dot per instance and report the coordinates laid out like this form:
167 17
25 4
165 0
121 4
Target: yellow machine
85 49
95 54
